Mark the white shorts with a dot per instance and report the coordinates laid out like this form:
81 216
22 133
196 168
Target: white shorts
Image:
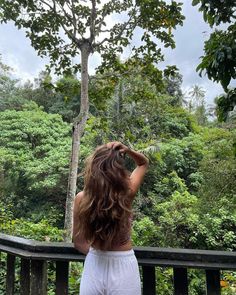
110 273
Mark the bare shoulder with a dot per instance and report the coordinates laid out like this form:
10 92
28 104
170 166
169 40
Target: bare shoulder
78 197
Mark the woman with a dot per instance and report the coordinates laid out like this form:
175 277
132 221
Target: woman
102 221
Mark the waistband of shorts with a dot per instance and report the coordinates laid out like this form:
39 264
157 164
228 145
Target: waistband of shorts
111 253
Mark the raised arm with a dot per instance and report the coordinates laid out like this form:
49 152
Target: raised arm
136 177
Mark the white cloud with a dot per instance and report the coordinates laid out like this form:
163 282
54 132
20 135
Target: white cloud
17 52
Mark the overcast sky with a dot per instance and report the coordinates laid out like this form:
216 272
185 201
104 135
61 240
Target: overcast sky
17 52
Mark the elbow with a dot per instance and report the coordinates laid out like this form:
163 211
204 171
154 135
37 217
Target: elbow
81 247
145 162
77 246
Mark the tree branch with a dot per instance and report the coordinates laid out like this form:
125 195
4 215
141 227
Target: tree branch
70 18
73 15
124 27
70 35
105 31
92 21
100 24
114 74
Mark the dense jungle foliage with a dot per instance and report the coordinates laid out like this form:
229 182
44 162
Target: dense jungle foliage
188 197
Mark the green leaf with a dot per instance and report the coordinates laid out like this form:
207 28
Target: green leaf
195 2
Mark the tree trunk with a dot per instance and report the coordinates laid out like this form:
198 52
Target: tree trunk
119 106
78 129
120 98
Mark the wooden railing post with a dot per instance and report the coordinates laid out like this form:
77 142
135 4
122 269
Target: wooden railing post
62 273
25 277
38 283
180 281
213 282
10 280
149 280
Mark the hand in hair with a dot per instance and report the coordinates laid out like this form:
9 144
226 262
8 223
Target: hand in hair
139 158
136 177
116 145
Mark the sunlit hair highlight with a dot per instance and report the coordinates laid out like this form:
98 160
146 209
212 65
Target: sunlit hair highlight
104 210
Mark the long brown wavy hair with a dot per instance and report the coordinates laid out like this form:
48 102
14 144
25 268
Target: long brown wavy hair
104 210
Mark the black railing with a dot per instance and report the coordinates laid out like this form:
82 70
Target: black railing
34 256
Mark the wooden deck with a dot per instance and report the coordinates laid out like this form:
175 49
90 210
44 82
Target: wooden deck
34 256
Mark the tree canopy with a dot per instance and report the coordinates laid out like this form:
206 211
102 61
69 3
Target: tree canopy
219 60
87 22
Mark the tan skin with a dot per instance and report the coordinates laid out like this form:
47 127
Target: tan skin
136 178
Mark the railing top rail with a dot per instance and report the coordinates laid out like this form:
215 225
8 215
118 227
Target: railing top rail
146 255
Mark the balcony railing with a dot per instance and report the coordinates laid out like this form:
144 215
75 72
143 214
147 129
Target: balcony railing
34 256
